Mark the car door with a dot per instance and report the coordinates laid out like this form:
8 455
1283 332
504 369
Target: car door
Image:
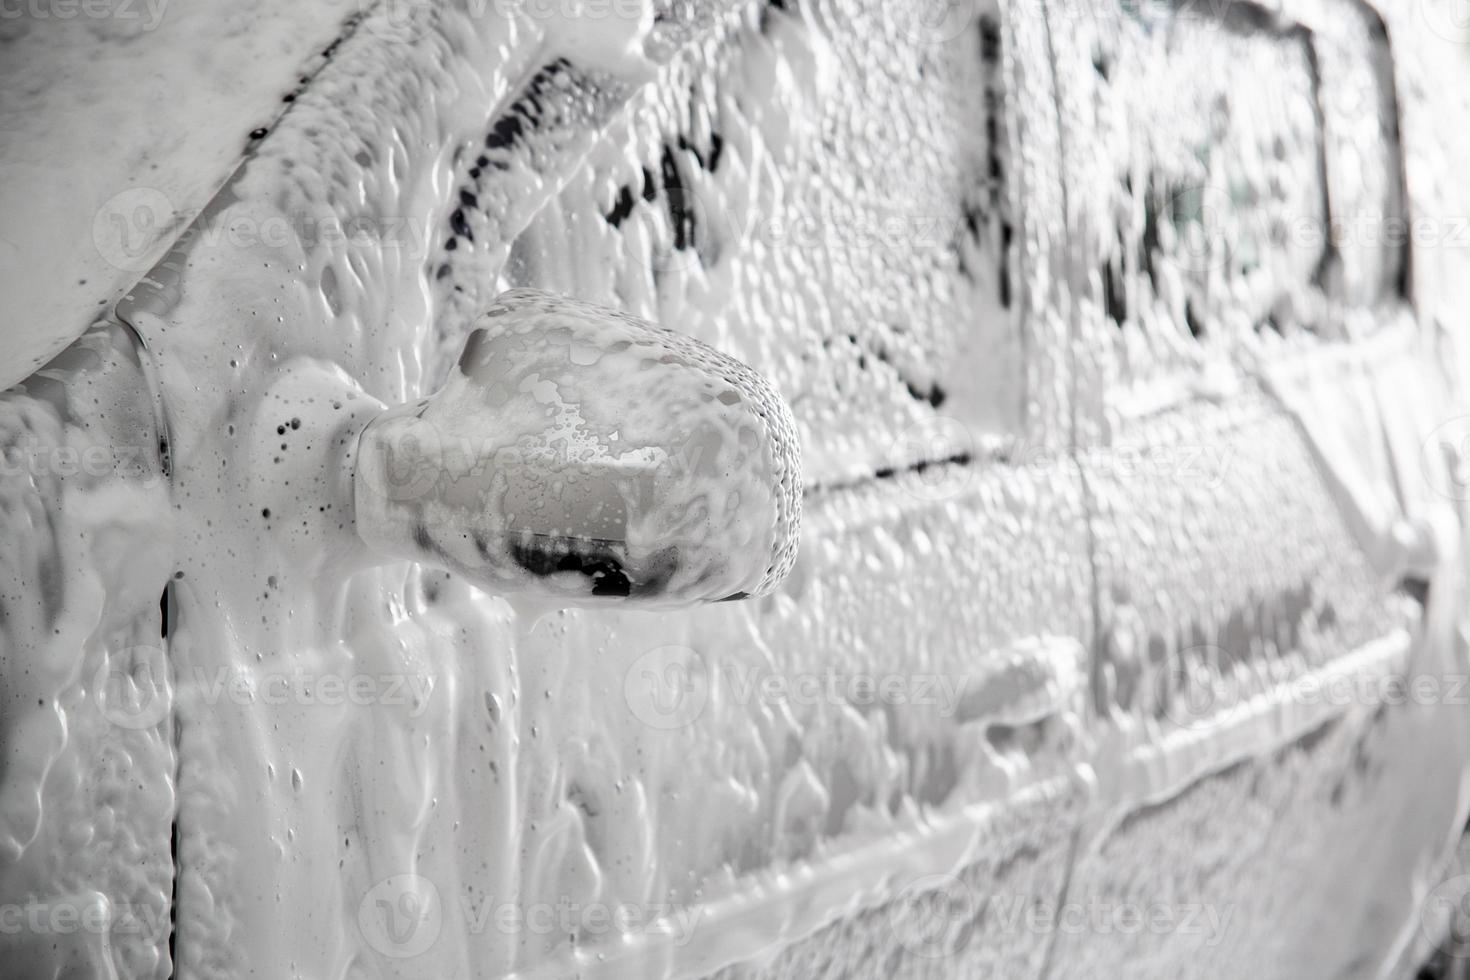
879 238
87 796
1236 199
388 772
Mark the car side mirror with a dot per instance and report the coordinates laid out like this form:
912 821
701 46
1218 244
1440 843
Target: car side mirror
585 455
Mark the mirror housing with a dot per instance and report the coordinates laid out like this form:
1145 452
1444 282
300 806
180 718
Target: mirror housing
583 454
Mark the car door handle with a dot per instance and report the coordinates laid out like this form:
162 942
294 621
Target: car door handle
584 454
1026 681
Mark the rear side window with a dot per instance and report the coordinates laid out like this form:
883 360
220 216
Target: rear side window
1370 227
1253 168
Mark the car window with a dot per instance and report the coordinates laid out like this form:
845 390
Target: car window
1371 235
827 201
1247 169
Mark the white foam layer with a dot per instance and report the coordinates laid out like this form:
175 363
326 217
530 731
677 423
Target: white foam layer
120 120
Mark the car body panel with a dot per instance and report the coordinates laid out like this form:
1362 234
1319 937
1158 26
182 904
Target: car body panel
569 763
89 758
1012 551
1237 412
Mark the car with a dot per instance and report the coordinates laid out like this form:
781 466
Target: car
828 488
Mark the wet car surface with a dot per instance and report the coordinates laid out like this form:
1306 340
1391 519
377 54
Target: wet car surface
1118 528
